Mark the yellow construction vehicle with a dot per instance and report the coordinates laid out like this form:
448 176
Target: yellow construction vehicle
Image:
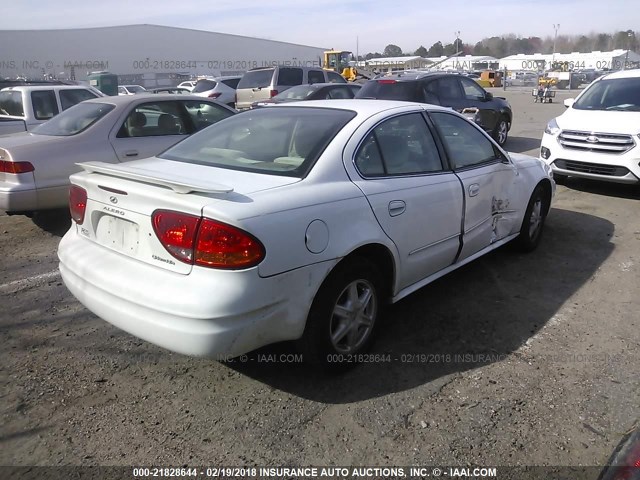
344 63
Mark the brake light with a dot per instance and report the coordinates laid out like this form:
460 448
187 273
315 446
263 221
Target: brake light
273 93
77 203
223 246
15 167
206 242
387 81
215 95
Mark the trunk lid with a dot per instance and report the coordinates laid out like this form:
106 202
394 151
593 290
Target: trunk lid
122 198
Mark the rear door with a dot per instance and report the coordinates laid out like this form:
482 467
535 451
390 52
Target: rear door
416 200
488 179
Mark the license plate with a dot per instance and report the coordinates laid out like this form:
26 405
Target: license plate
118 234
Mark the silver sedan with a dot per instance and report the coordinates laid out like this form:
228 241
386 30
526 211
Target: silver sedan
35 166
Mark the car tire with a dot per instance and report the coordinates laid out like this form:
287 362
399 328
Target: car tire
501 131
343 316
533 221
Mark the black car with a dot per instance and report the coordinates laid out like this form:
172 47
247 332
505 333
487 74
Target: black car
315 91
461 93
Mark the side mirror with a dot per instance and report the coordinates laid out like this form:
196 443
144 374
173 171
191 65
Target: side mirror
568 102
489 96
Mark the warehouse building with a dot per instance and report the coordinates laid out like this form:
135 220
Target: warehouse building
148 55
466 63
613 60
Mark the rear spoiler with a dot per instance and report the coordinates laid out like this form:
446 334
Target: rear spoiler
175 183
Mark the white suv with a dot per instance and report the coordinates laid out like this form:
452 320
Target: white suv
598 136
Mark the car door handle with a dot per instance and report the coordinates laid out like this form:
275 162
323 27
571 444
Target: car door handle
397 207
131 153
474 188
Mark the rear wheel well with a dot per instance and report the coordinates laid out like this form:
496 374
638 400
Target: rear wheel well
381 257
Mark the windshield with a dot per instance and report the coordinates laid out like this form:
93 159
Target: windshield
621 94
256 79
299 92
204 85
279 141
74 120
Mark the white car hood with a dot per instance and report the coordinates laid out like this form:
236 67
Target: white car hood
600 121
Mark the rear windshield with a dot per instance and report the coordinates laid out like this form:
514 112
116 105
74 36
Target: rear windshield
256 79
282 141
388 90
11 103
203 86
74 120
299 92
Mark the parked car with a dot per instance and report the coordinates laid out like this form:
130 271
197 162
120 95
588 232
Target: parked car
188 84
222 89
598 135
130 89
317 91
35 166
171 90
263 83
23 108
449 90
294 222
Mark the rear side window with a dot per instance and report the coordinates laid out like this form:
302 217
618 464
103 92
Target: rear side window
390 90
11 103
203 86
256 78
231 82
44 104
340 92
289 76
448 88
316 77
68 98
402 145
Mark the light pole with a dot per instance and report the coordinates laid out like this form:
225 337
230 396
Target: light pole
626 58
556 27
457 34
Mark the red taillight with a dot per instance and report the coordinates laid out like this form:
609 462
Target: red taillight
273 93
387 81
77 203
223 246
15 167
177 233
214 95
206 242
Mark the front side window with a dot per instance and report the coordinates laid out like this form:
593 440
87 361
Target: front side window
340 93
333 77
68 98
153 119
465 144
204 114
44 104
278 141
472 91
399 146
74 120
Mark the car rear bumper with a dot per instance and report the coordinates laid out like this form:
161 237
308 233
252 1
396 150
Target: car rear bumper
209 313
608 167
17 198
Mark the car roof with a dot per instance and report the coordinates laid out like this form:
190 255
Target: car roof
45 87
624 74
142 97
361 106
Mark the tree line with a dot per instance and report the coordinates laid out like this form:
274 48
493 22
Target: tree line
512 44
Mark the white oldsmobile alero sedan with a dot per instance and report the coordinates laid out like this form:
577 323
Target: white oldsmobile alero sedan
294 222
35 166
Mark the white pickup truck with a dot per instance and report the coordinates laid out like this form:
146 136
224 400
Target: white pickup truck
24 107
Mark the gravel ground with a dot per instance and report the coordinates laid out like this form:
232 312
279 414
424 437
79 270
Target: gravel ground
512 360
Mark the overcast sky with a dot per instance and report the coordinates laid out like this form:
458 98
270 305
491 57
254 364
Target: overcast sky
336 23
